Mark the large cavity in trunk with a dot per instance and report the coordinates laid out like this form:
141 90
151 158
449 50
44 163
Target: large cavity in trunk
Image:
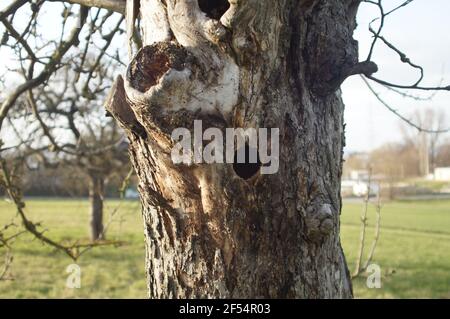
214 9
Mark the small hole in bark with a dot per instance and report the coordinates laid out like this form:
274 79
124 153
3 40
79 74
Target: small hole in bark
214 9
246 170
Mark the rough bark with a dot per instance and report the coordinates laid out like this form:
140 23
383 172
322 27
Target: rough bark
96 190
254 63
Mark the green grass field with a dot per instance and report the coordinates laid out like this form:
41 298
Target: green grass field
413 252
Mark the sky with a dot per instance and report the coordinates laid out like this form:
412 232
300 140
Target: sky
422 31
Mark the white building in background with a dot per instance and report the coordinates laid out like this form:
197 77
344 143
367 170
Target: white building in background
442 174
359 188
358 184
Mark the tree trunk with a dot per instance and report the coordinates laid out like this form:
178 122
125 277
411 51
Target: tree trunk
96 190
265 64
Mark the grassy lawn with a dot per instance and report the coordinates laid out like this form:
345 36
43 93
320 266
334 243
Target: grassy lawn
106 272
413 252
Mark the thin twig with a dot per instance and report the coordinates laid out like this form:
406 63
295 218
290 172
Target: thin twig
363 229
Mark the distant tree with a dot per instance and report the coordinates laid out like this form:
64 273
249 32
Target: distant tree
72 131
395 160
443 154
426 143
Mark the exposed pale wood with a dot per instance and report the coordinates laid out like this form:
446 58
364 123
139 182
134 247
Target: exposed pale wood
210 233
131 16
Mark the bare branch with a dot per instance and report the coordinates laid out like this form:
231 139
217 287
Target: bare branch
113 5
74 250
12 8
48 70
363 228
403 57
359 269
393 110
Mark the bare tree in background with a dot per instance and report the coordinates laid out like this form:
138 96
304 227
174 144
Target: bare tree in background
443 154
65 123
60 118
210 230
426 143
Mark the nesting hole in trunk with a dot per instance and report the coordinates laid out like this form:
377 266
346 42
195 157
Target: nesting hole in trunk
247 169
214 9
